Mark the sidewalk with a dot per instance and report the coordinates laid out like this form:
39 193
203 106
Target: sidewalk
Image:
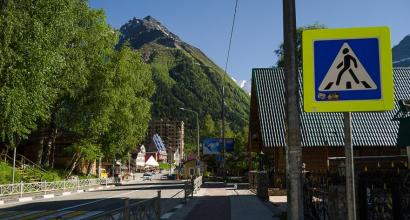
225 203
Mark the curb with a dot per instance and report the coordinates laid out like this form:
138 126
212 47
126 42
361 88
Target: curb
66 193
49 196
25 199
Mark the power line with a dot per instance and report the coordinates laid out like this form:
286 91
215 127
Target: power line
230 37
223 92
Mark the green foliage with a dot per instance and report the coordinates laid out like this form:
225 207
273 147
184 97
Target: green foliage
59 68
131 91
280 52
236 161
164 166
6 174
34 35
87 149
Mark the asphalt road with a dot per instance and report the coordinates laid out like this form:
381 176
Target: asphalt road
84 205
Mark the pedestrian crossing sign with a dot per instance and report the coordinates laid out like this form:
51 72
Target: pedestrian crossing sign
347 70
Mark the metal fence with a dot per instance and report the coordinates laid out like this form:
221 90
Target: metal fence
149 208
316 204
142 210
38 187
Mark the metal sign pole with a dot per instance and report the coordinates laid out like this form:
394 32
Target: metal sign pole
350 187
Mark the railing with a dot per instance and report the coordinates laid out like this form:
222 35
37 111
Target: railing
26 162
316 204
143 210
20 159
38 187
150 208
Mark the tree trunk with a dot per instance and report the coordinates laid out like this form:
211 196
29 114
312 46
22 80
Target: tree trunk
74 163
40 152
89 166
53 155
46 160
53 145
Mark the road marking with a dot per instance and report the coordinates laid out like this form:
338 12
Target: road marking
86 216
4 214
99 200
74 214
39 214
55 215
167 215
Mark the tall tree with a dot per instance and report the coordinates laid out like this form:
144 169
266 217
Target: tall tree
131 90
280 53
36 62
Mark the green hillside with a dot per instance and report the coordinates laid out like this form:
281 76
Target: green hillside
184 76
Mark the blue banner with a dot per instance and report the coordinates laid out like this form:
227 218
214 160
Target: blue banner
215 145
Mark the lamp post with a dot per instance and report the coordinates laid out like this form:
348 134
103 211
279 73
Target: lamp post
261 161
197 130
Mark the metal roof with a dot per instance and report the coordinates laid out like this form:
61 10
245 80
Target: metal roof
323 129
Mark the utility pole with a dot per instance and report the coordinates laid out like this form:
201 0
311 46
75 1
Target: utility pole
294 150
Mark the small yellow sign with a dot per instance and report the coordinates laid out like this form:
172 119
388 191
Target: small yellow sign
347 70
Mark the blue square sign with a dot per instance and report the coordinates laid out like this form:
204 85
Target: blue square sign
347 69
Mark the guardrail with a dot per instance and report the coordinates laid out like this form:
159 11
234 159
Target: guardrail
143 210
150 208
38 187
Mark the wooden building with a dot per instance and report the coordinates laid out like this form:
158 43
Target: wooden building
375 134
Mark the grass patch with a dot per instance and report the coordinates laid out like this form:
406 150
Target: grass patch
164 166
6 173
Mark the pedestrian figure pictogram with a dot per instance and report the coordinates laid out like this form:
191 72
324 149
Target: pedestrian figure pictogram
346 66
347 73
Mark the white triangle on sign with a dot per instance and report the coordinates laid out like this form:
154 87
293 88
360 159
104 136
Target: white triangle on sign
347 73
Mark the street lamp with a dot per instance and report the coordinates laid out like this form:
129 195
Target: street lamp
197 129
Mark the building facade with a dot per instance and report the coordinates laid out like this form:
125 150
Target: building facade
375 134
171 133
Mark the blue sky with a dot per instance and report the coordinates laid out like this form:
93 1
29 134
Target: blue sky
258 29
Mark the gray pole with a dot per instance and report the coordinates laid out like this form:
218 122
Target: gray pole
198 156
350 190
408 157
14 163
223 131
197 130
294 150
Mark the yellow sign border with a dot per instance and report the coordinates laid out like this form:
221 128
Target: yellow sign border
386 70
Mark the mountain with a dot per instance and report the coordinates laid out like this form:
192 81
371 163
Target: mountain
245 85
401 53
184 76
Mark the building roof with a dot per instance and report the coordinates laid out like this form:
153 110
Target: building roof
322 129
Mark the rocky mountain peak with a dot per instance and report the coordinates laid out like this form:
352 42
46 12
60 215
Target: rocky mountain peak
147 30
401 53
